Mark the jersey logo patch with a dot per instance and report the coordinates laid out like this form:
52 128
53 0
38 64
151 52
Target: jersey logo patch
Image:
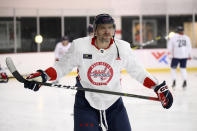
100 73
87 56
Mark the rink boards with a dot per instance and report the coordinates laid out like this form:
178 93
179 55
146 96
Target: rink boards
151 59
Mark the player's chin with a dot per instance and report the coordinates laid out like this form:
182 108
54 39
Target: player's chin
107 38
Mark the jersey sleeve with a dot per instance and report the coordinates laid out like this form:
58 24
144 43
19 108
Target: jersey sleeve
137 71
170 46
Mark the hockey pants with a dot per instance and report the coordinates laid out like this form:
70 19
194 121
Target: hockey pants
87 118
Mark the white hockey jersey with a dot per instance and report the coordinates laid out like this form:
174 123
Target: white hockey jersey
179 46
100 68
60 50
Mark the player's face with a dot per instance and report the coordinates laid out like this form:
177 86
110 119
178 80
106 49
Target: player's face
65 43
104 32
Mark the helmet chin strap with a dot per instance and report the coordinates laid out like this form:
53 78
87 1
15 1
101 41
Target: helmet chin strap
118 54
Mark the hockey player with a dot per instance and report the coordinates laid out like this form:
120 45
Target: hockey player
180 49
60 50
99 64
62 47
3 76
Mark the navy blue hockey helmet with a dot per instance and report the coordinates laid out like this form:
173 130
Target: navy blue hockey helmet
179 29
103 19
65 38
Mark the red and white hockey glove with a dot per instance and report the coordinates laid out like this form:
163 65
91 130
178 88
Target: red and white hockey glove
39 76
164 95
3 77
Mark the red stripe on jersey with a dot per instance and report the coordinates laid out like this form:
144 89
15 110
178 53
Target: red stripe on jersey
149 83
51 72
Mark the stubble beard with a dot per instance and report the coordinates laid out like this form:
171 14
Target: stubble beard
103 39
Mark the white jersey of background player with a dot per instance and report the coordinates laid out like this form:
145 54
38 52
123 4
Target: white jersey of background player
180 48
100 59
61 48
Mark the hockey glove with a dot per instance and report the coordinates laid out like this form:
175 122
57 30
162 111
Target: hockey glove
39 76
164 95
3 78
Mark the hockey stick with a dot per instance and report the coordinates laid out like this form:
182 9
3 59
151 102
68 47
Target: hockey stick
147 43
20 78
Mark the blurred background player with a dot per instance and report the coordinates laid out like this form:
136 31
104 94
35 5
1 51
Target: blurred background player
179 47
62 47
3 76
90 30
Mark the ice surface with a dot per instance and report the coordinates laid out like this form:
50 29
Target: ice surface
50 109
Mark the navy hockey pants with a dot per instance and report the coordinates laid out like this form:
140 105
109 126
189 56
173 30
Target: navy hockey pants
176 61
86 118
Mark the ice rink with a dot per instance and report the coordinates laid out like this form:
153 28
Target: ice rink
51 109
